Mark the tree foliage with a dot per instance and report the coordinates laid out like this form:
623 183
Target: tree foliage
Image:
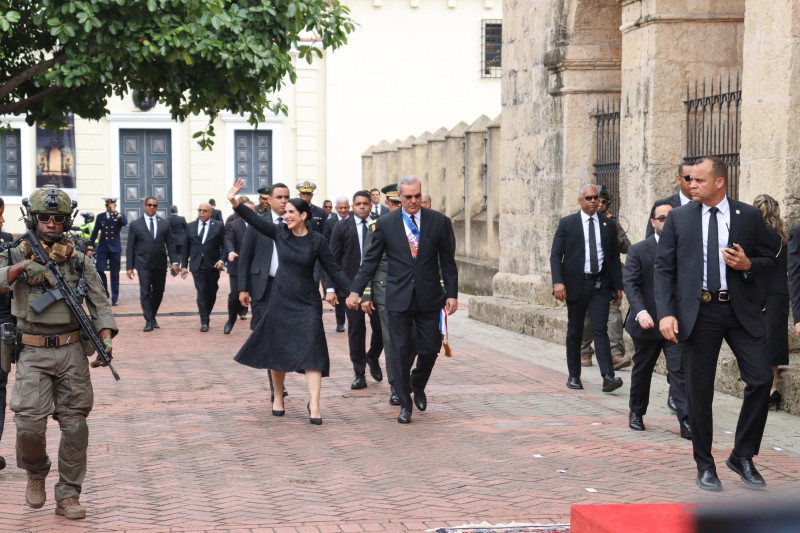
194 56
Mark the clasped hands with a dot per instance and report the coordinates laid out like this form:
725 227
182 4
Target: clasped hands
354 302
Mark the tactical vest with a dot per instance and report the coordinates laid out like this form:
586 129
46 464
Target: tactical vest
24 295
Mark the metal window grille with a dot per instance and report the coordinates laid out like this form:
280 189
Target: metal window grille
10 163
606 167
253 159
713 125
491 45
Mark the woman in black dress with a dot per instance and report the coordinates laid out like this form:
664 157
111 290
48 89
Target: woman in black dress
776 291
291 337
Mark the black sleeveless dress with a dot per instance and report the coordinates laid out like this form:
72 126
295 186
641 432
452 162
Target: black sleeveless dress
290 338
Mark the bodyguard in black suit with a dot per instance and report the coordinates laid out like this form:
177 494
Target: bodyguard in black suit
177 224
717 246
347 247
234 237
5 316
149 242
418 243
647 339
587 274
216 214
682 197
377 208
204 257
341 212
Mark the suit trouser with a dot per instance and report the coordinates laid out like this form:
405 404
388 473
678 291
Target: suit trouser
428 340
615 327
341 312
112 260
379 302
716 321
261 306
595 300
206 282
644 361
234 305
151 291
376 338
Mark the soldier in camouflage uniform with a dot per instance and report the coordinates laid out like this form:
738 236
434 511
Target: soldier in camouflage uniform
615 322
374 297
263 200
52 374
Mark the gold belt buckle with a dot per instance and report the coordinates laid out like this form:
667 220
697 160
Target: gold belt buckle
705 297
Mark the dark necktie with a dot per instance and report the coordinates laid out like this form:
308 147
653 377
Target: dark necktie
414 221
363 235
203 234
152 228
280 220
712 253
594 265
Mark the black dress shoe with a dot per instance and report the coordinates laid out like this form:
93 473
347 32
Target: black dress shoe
148 327
686 430
359 383
635 422
420 400
708 480
155 324
204 328
375 370
671 405
747 471
574 383
2 463
394 399
404 417
339 328
610 383
114 304
228 327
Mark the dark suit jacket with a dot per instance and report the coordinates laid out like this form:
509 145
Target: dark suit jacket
345 248
638 281
794 271
407 276
144 252
234 235
178 226
382 209
680 250
5 298
198 255
216 214
330 223
567 256
317 218
674 201
254 261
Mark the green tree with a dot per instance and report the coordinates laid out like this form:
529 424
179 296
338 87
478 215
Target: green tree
194 56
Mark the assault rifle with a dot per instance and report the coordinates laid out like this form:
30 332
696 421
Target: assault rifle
62 291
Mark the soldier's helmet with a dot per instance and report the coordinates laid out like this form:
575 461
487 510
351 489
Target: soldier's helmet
52 200
604 193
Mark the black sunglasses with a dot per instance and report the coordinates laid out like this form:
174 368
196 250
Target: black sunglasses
151 205
662 218
410 196
45 218
590 198
687 178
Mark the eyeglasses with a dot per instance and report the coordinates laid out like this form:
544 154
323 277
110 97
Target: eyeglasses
687 178
45 218
410 196
661 219
590 198
151 205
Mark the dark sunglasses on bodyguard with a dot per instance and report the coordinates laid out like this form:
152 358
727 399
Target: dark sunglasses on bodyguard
589 198
45 218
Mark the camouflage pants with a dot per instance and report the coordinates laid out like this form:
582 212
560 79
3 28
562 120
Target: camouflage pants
615 324
53 381
378 300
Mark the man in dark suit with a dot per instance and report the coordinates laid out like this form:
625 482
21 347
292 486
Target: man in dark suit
718 246
204 256
108 251
342 212
793 260
647 339
682 197
149 242
587 274
177 225
234 237
216 214
420 251
376 209
347 247
5 316
258 259
327 206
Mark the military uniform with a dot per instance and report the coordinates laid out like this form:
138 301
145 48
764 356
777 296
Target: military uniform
109 247
263 192
52 373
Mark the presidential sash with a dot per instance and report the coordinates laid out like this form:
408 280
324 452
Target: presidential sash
412 233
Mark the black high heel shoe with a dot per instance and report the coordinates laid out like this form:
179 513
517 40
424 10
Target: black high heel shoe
775 400
315 421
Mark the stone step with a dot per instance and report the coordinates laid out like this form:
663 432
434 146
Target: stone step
550 324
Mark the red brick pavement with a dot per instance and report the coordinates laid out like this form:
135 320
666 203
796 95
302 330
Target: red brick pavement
186 442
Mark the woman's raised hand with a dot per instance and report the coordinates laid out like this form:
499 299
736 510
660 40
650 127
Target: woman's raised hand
233 191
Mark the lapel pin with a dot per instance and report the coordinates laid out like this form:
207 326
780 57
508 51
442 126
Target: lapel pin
604 223
738 212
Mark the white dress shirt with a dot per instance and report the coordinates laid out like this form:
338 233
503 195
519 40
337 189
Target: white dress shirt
684 199
202 231
273 265
723 225
587 268
361 227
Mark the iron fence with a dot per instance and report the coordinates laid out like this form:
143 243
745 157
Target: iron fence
713 125
606 167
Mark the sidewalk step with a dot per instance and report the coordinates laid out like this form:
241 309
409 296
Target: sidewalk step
632 518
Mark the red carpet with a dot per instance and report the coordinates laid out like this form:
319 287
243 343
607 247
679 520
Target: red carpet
634 518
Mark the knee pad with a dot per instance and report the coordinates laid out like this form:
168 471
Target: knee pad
76 437
31 444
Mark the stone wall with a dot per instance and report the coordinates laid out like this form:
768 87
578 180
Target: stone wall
460 168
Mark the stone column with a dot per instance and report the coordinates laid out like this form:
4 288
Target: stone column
474 177
405 157
665 46
420 156
367 179
437 168
380 163
770 152
493 151
454 175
